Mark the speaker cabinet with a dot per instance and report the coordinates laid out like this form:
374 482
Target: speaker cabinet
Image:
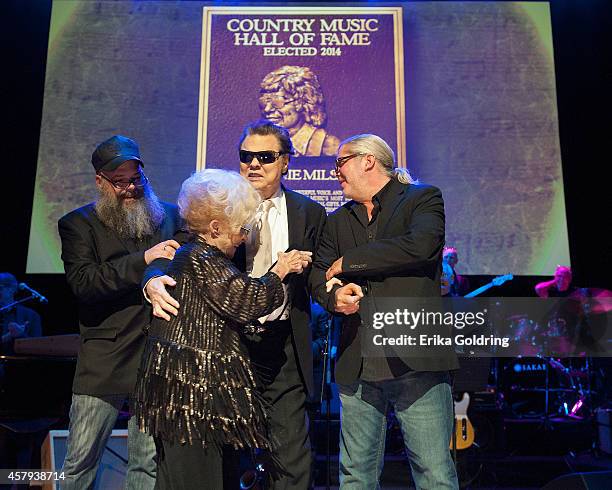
112 469
596 480
604 429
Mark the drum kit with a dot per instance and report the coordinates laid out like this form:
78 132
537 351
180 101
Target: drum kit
557 337
543 387
550 377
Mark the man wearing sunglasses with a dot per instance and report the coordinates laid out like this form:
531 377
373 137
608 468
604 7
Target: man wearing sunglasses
280 344
386 242
106 246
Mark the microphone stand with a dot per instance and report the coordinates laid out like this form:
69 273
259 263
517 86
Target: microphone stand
15 303
326 392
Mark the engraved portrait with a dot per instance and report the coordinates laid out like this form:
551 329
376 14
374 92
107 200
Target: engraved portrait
292 97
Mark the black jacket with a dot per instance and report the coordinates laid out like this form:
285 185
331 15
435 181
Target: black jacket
305 219
403 260
104 273
196 380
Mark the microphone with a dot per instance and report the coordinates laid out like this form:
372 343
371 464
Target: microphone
24 287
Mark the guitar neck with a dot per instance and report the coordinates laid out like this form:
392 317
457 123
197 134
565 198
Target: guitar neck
478 291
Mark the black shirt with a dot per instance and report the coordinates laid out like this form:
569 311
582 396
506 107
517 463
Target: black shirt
365 229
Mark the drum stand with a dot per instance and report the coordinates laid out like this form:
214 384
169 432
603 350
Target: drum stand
546 423
584 393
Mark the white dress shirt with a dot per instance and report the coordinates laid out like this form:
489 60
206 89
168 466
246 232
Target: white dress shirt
279 230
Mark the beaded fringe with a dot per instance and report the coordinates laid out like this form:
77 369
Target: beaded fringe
192 395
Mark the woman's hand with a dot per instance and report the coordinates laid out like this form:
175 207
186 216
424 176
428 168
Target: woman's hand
294 261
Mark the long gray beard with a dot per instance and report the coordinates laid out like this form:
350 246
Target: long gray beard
136 221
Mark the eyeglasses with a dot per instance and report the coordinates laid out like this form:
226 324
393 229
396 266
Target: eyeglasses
245 230
138 182
342 160
276 102
263 157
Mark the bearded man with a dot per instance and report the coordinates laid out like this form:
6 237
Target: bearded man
106 246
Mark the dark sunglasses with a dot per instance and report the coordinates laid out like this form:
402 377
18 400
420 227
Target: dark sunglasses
263 157
342 160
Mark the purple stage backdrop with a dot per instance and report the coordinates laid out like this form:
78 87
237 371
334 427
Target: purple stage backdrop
352 58
474 81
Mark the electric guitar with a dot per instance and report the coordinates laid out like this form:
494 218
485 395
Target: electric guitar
464 430
498 281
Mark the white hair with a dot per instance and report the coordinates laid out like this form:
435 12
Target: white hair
218 194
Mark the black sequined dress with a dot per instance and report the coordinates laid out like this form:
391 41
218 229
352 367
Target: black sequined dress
196 383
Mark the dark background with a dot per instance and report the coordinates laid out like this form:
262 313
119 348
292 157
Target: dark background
582 39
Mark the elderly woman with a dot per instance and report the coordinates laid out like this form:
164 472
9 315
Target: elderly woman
196 390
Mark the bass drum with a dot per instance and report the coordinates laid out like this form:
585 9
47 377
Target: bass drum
523 385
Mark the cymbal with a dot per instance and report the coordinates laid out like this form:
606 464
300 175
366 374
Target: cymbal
601 305
601 299
591 293
600 293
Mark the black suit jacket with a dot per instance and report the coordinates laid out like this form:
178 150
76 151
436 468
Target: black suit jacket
104 273
404 260
306 219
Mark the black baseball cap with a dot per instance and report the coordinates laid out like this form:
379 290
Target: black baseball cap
110 154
